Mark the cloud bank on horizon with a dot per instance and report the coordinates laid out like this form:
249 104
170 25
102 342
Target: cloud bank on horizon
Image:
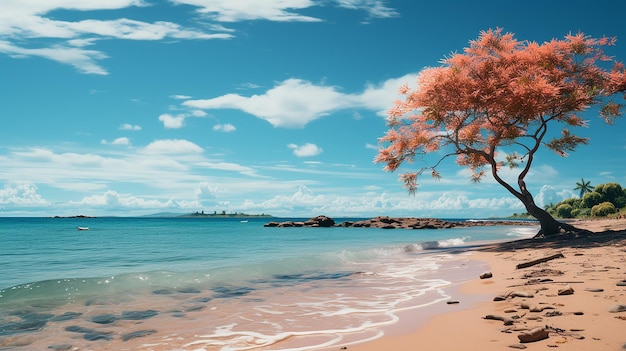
275 109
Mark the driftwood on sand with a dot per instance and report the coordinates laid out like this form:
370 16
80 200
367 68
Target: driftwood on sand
538 261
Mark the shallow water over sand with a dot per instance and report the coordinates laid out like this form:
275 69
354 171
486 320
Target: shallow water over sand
307 289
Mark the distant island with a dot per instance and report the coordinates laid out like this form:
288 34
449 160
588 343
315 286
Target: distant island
224 214
77 216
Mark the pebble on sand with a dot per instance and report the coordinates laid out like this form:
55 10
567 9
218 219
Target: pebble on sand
567 290
486 275
533 335
617 308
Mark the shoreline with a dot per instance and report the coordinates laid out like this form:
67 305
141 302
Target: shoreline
583 320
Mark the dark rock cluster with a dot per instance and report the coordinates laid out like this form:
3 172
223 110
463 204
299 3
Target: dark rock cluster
386 222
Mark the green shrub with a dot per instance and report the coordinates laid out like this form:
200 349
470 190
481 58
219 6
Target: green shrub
604 209
620 201
572 201
591 199
610 192
564 211
576 212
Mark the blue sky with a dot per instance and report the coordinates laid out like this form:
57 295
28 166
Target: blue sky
132 107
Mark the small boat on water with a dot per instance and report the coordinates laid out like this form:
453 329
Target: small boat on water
244 221
83 228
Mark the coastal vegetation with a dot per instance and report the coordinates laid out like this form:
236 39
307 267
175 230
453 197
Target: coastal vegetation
605 200
496 105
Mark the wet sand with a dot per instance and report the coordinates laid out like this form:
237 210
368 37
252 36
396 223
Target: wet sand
573 302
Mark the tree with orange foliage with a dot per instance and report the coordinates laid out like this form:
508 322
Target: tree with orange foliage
492 106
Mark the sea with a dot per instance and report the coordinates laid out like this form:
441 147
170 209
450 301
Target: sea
223 283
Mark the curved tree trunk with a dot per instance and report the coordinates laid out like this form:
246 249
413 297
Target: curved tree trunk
549 225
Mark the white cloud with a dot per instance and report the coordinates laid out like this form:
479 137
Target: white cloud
121 141
118 201
198 113
279 10
291 104
118 141
180 97
178 121
172 147
127 126
224 127
306 150
82 60
23 20
375 8
172 122
549 195
234 11
21 194
295 102
206 192
380 97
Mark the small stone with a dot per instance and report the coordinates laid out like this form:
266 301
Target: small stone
567 290
622 283
578 313
533 335
137 334
138 315
518 346
553 314
499 298
617 308
536 309
510 311
60 347
104 318
522 294
486 275
594 289
452 302
524 306
97 336
66 316
505 320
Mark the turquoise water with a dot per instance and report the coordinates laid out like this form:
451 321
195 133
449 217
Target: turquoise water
217 284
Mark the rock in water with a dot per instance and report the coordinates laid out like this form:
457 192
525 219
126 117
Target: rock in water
533 335
486 275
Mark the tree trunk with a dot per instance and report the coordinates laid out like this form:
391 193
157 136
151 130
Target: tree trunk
549 225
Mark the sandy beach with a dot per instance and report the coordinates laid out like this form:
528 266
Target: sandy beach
574 301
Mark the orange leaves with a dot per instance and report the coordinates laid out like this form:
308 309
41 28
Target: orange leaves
501 92
567 142
470 134
410 182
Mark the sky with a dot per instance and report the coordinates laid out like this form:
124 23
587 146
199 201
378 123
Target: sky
135 107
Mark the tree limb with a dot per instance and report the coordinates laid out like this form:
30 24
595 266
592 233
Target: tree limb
538 261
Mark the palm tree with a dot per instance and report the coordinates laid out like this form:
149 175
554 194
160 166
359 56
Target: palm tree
584 187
